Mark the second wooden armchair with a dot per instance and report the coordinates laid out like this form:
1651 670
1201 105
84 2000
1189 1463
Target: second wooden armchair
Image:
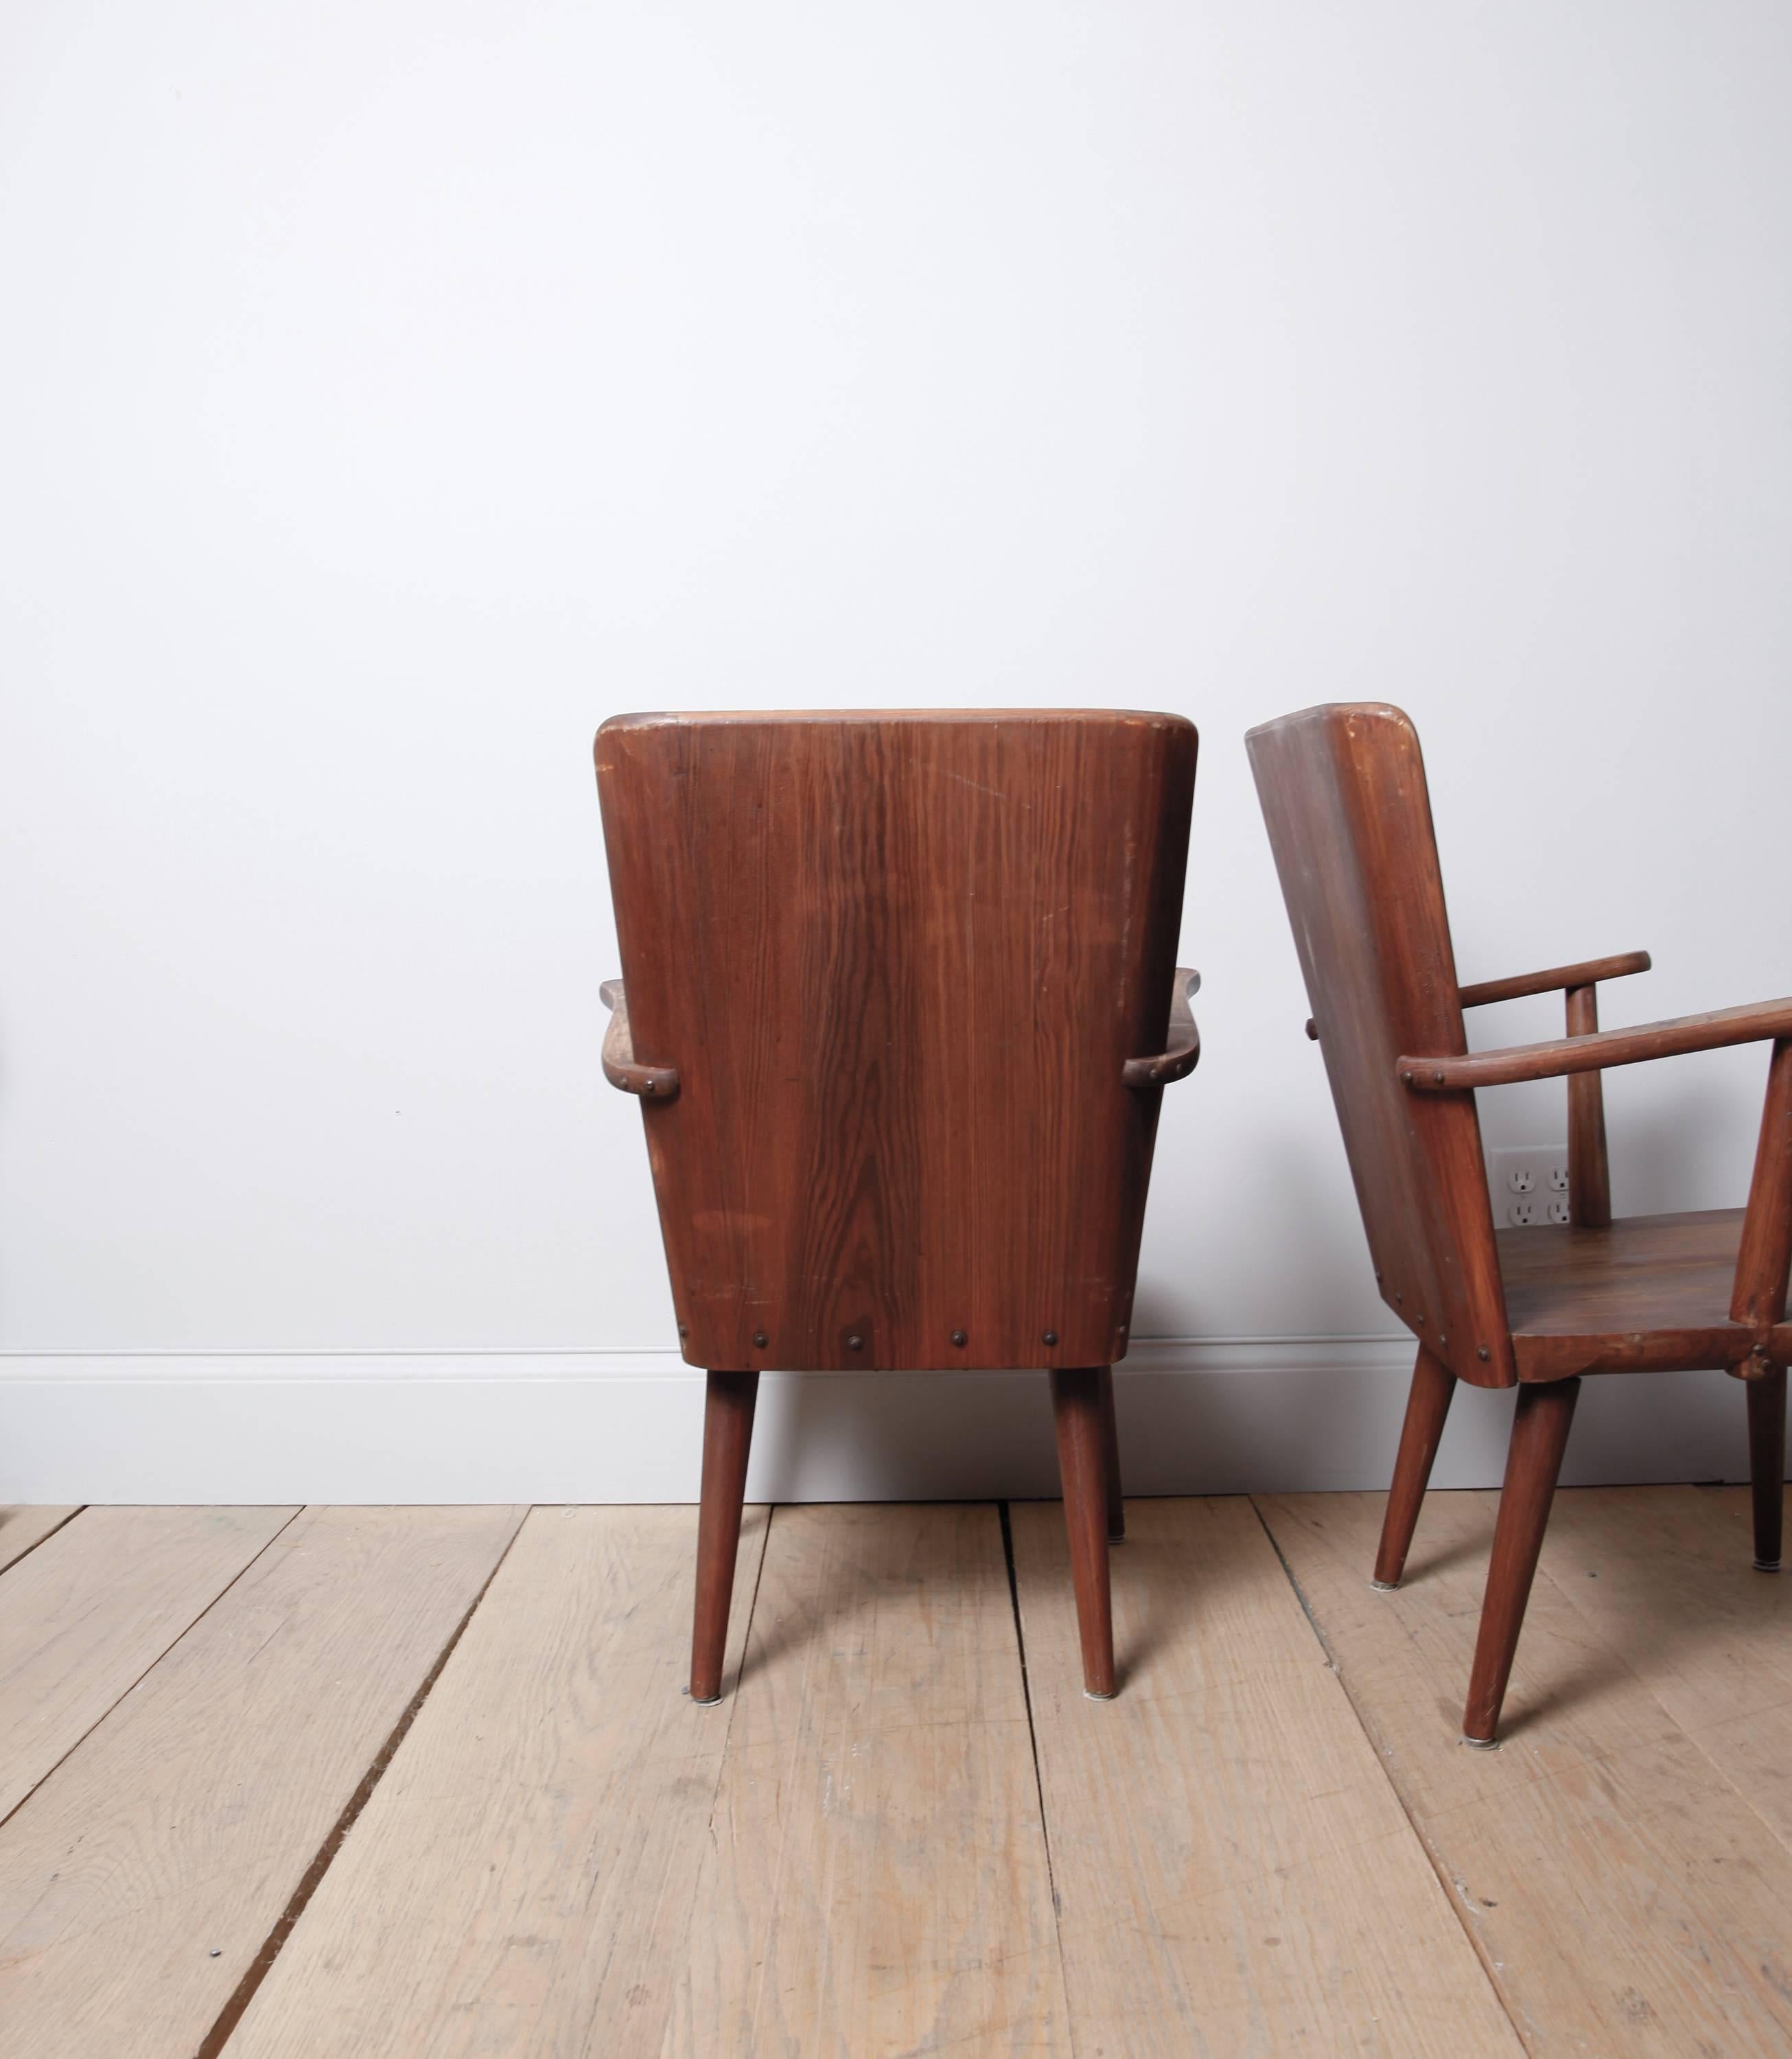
901 1002
1343 794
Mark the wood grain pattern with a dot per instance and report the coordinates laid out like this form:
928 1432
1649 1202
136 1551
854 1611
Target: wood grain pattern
1427 1407
522 1878
93 1607
1555 979
1540 1428
1235 1875
1081 1418
898 963
1344 797
1646 1293
1482 993
1660 1575
1622 1893
22 1529
727 1440
1426 1072
1589 1162
564 1857
1765 1252
876 1879
139 1884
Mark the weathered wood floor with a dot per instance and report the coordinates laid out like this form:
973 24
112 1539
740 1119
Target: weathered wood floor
420 1784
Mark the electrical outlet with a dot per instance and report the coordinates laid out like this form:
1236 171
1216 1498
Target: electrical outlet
1528 1184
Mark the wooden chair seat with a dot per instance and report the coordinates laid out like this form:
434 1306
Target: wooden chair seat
1348 814
1640 1294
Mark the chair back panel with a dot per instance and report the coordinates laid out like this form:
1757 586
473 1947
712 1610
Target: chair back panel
1349 818
899 961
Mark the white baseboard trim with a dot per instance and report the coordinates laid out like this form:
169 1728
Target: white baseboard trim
1214 1415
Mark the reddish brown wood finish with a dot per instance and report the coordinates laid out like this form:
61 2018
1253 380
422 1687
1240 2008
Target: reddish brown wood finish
1182 1053
1436 1072
1766 1252
655 1082
1434 1387
728 1438
1767 1464
904 995
1645 1294
1110 1436
1082 1465
1759 1300
1540 1437
899 963
1589 1168
1556 979
1343 796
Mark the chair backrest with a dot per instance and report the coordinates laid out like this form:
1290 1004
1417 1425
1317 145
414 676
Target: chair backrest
898 960
1343 794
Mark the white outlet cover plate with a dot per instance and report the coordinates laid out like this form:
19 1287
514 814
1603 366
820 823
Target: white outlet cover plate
1518 1173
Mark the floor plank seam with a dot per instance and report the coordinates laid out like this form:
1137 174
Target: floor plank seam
1695 1737
55 1531
1453 1890
131 1687
263 1962
752 1610
589 2042
1038 1778
1313 1620
783 1843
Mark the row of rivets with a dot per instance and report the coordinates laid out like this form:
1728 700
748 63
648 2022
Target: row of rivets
857 1343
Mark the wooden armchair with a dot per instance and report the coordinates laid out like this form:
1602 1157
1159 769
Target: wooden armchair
1343 794
900 1002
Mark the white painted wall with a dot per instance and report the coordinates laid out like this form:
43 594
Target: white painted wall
389 391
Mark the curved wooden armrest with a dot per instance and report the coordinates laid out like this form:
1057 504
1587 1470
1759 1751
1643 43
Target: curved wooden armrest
1558 979
1754 1024
653 1082
1183 1051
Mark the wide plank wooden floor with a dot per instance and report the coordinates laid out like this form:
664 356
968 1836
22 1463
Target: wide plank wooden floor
280 1784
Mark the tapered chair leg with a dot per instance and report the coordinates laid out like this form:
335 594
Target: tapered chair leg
1767 1463
1540 1437
727 1437
1110 1438
1082 1465
1433 1386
